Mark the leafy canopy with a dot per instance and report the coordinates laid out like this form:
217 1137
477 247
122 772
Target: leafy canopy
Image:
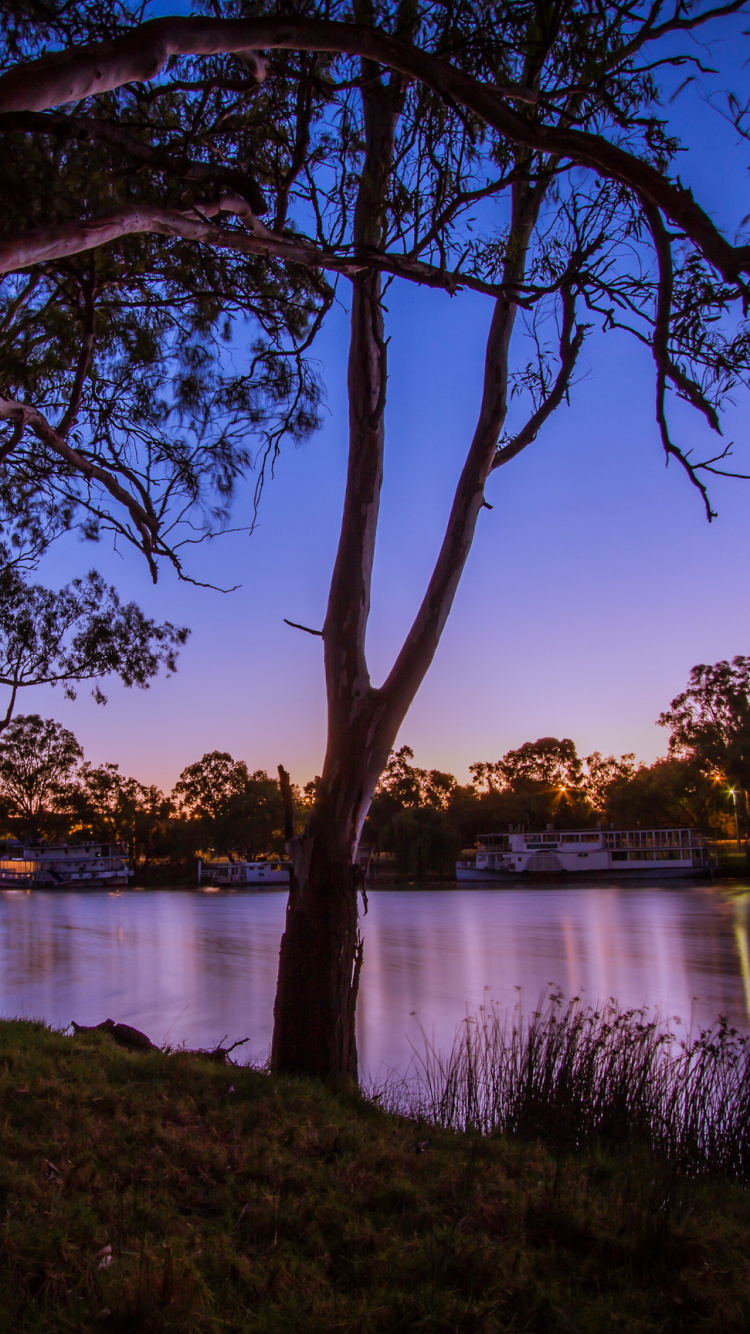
81 632
156 354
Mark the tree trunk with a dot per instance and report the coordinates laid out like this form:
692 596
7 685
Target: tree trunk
319 962
321 949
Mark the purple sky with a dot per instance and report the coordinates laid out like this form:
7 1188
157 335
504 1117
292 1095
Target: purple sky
595 583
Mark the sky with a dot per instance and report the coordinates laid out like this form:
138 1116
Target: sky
594 585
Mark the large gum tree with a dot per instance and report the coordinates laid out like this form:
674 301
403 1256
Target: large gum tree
235 169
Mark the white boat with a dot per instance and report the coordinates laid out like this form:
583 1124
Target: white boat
264 872
655 852
63 866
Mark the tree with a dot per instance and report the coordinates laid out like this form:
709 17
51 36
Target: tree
234 811
409 816
548 762
403 784
82 632
381 136
602 771
38 762
115 809
710 720
671 791
540 783
129 411
710 726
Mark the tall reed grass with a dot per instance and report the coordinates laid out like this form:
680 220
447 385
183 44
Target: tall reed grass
579 1076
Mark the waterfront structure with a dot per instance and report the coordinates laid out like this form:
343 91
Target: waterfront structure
221 873
63 865
586 851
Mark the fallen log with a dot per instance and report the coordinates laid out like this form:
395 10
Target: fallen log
122 1034
132 1038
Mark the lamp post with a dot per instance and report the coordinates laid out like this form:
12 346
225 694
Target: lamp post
733 795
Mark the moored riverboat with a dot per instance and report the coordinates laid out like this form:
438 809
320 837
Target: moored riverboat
63 865
621 852
271 871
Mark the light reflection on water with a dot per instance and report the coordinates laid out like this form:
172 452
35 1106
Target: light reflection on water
189 967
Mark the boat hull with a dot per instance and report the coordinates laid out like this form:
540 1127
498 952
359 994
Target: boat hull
655 870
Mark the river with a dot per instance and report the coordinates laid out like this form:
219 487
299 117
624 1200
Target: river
190 967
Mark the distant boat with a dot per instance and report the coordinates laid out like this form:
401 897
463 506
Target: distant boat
63 865
586 852
264 872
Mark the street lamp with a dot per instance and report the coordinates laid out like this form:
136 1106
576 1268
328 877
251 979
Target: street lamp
733 795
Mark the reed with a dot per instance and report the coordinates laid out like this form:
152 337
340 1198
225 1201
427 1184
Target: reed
580 1077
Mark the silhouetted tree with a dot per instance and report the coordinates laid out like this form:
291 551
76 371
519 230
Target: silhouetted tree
234 811
409 817
384 132
82 632
114 808
542 782
601 772
38 764
710 720
670 791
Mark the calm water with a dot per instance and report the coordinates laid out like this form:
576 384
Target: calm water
191 967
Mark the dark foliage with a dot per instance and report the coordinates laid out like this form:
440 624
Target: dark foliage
81 632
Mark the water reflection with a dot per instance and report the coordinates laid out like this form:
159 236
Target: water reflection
188 967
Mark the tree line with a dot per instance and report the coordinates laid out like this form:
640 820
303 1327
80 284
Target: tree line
419 818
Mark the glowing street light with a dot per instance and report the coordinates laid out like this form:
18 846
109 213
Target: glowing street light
733 795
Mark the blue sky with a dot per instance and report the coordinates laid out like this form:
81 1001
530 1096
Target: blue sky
594 585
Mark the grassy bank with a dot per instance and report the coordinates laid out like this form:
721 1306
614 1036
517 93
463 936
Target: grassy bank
150 1192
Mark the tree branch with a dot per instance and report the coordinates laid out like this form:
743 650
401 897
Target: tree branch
345 626
70 76
63 77
84 361
146 525
296 626
46 244
660 350
423 637
16 437
571 340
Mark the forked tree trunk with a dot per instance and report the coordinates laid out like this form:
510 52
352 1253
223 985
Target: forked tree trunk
321 949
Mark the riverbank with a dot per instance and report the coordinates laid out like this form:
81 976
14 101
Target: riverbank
154 1192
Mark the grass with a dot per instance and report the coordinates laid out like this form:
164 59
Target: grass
582 1077
162 1192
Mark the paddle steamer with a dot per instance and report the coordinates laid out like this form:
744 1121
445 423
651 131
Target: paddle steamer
63 865
578 852
263 872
